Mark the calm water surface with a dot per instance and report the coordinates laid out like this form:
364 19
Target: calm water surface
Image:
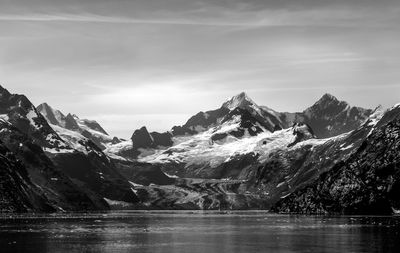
191 232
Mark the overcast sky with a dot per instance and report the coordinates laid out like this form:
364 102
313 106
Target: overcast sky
157 62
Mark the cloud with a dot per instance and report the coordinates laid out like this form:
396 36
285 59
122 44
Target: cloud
138 59
240 14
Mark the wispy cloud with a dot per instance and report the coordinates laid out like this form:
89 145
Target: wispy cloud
339 17
177 57
107 19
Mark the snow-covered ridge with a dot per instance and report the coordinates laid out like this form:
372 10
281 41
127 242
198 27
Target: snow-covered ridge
200 149
238 101
74 129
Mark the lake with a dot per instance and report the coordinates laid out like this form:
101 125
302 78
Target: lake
197 231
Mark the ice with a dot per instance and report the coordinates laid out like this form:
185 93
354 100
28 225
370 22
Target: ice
117 202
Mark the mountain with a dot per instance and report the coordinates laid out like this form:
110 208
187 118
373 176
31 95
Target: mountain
368 182
329 158
330 117
74 175
237 117
240 103
229 131
19 112
58 190
261 114
264 153
87 128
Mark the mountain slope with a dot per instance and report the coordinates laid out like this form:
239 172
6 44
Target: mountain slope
18 193
205 120
366 183
76 164
328 117
87 128
60 191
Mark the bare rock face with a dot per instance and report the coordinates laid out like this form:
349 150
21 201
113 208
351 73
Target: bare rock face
200 122
331 117
141 138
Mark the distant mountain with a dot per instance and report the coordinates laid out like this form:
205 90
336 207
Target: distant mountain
240 103
265 117
240 117
87 128
330 117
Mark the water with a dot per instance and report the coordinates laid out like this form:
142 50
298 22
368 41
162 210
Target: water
191 232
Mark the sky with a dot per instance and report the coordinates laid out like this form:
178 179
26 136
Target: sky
130 63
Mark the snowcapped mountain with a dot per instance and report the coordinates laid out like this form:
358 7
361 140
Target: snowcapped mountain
63 125
240 118
238 156
240 103
72 174
236 118
262 114
20 113
236 144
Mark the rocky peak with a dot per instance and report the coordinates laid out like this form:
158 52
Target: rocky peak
330 117
141 138
328 97
241 100
50 114
44 106
328 101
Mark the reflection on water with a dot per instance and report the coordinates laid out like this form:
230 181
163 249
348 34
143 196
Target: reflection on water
183 231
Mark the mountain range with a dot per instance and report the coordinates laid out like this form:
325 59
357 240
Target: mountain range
329 158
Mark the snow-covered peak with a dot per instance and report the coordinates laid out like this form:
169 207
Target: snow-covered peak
241 100
88 128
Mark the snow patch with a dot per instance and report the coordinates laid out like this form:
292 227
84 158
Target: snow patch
30 116
347 147
170 176
135 185
111 202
